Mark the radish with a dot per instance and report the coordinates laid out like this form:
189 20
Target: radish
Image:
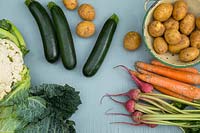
145 87
132 94
131 106
136 117
155 100
140 119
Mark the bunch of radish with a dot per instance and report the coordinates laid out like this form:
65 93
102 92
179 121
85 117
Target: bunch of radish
147 108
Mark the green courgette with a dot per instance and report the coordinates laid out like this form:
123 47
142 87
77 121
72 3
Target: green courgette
46 28
101 47
64 35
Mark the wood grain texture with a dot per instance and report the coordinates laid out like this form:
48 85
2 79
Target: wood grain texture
90 118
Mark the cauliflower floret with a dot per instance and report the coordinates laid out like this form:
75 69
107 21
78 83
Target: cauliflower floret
11 65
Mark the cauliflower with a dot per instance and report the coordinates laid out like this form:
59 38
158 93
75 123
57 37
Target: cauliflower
11 66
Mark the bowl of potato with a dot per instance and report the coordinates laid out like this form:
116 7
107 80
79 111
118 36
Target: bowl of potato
171 32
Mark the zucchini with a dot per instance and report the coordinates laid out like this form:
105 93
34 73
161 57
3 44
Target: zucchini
46 29
101 47
64 35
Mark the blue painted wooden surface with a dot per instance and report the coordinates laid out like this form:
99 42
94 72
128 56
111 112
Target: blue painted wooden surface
90 117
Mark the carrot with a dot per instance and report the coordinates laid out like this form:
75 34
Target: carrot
171 93
165 90
182 76
145 72
188 69
172 85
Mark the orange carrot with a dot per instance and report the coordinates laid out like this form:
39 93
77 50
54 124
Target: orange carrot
165 90
188 69
144 71
182 76
171 93
172 85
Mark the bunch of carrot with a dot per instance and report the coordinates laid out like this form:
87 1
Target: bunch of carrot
152 109
176 82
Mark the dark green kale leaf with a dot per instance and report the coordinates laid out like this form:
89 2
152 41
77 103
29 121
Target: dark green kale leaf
63 100
33 111
50 124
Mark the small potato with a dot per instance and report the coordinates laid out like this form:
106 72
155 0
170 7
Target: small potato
198 23
156 29
171 24
189 54
187 25
163 12
195 39
85 29
180 10
184 43
132 40
172 36
160 45
87 12
70 4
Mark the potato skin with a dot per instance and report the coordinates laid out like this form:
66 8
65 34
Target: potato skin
184 43
156 28
172 36
198 22
187 25
87 12
132 41
189 54
163 12
171 24
85 29
195 39
180 10
160 45
70 4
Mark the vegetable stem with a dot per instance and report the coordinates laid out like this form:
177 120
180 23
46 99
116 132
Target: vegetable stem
144 109
28 2
168 123
51 4
115 17
173 99
164 103
157 105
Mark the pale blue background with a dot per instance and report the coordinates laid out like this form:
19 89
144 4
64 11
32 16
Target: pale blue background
90 117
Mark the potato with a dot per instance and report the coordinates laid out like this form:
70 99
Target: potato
172 36
160 45
198 23
85 29
156 29
87 12
189 54
195 39
184 43
132 40
70 4
163 12
187 25
171 24
180 10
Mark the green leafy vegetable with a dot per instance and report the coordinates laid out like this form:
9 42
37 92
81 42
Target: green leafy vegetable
50 124
34 111
20 91
14 31
63 100
46 109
